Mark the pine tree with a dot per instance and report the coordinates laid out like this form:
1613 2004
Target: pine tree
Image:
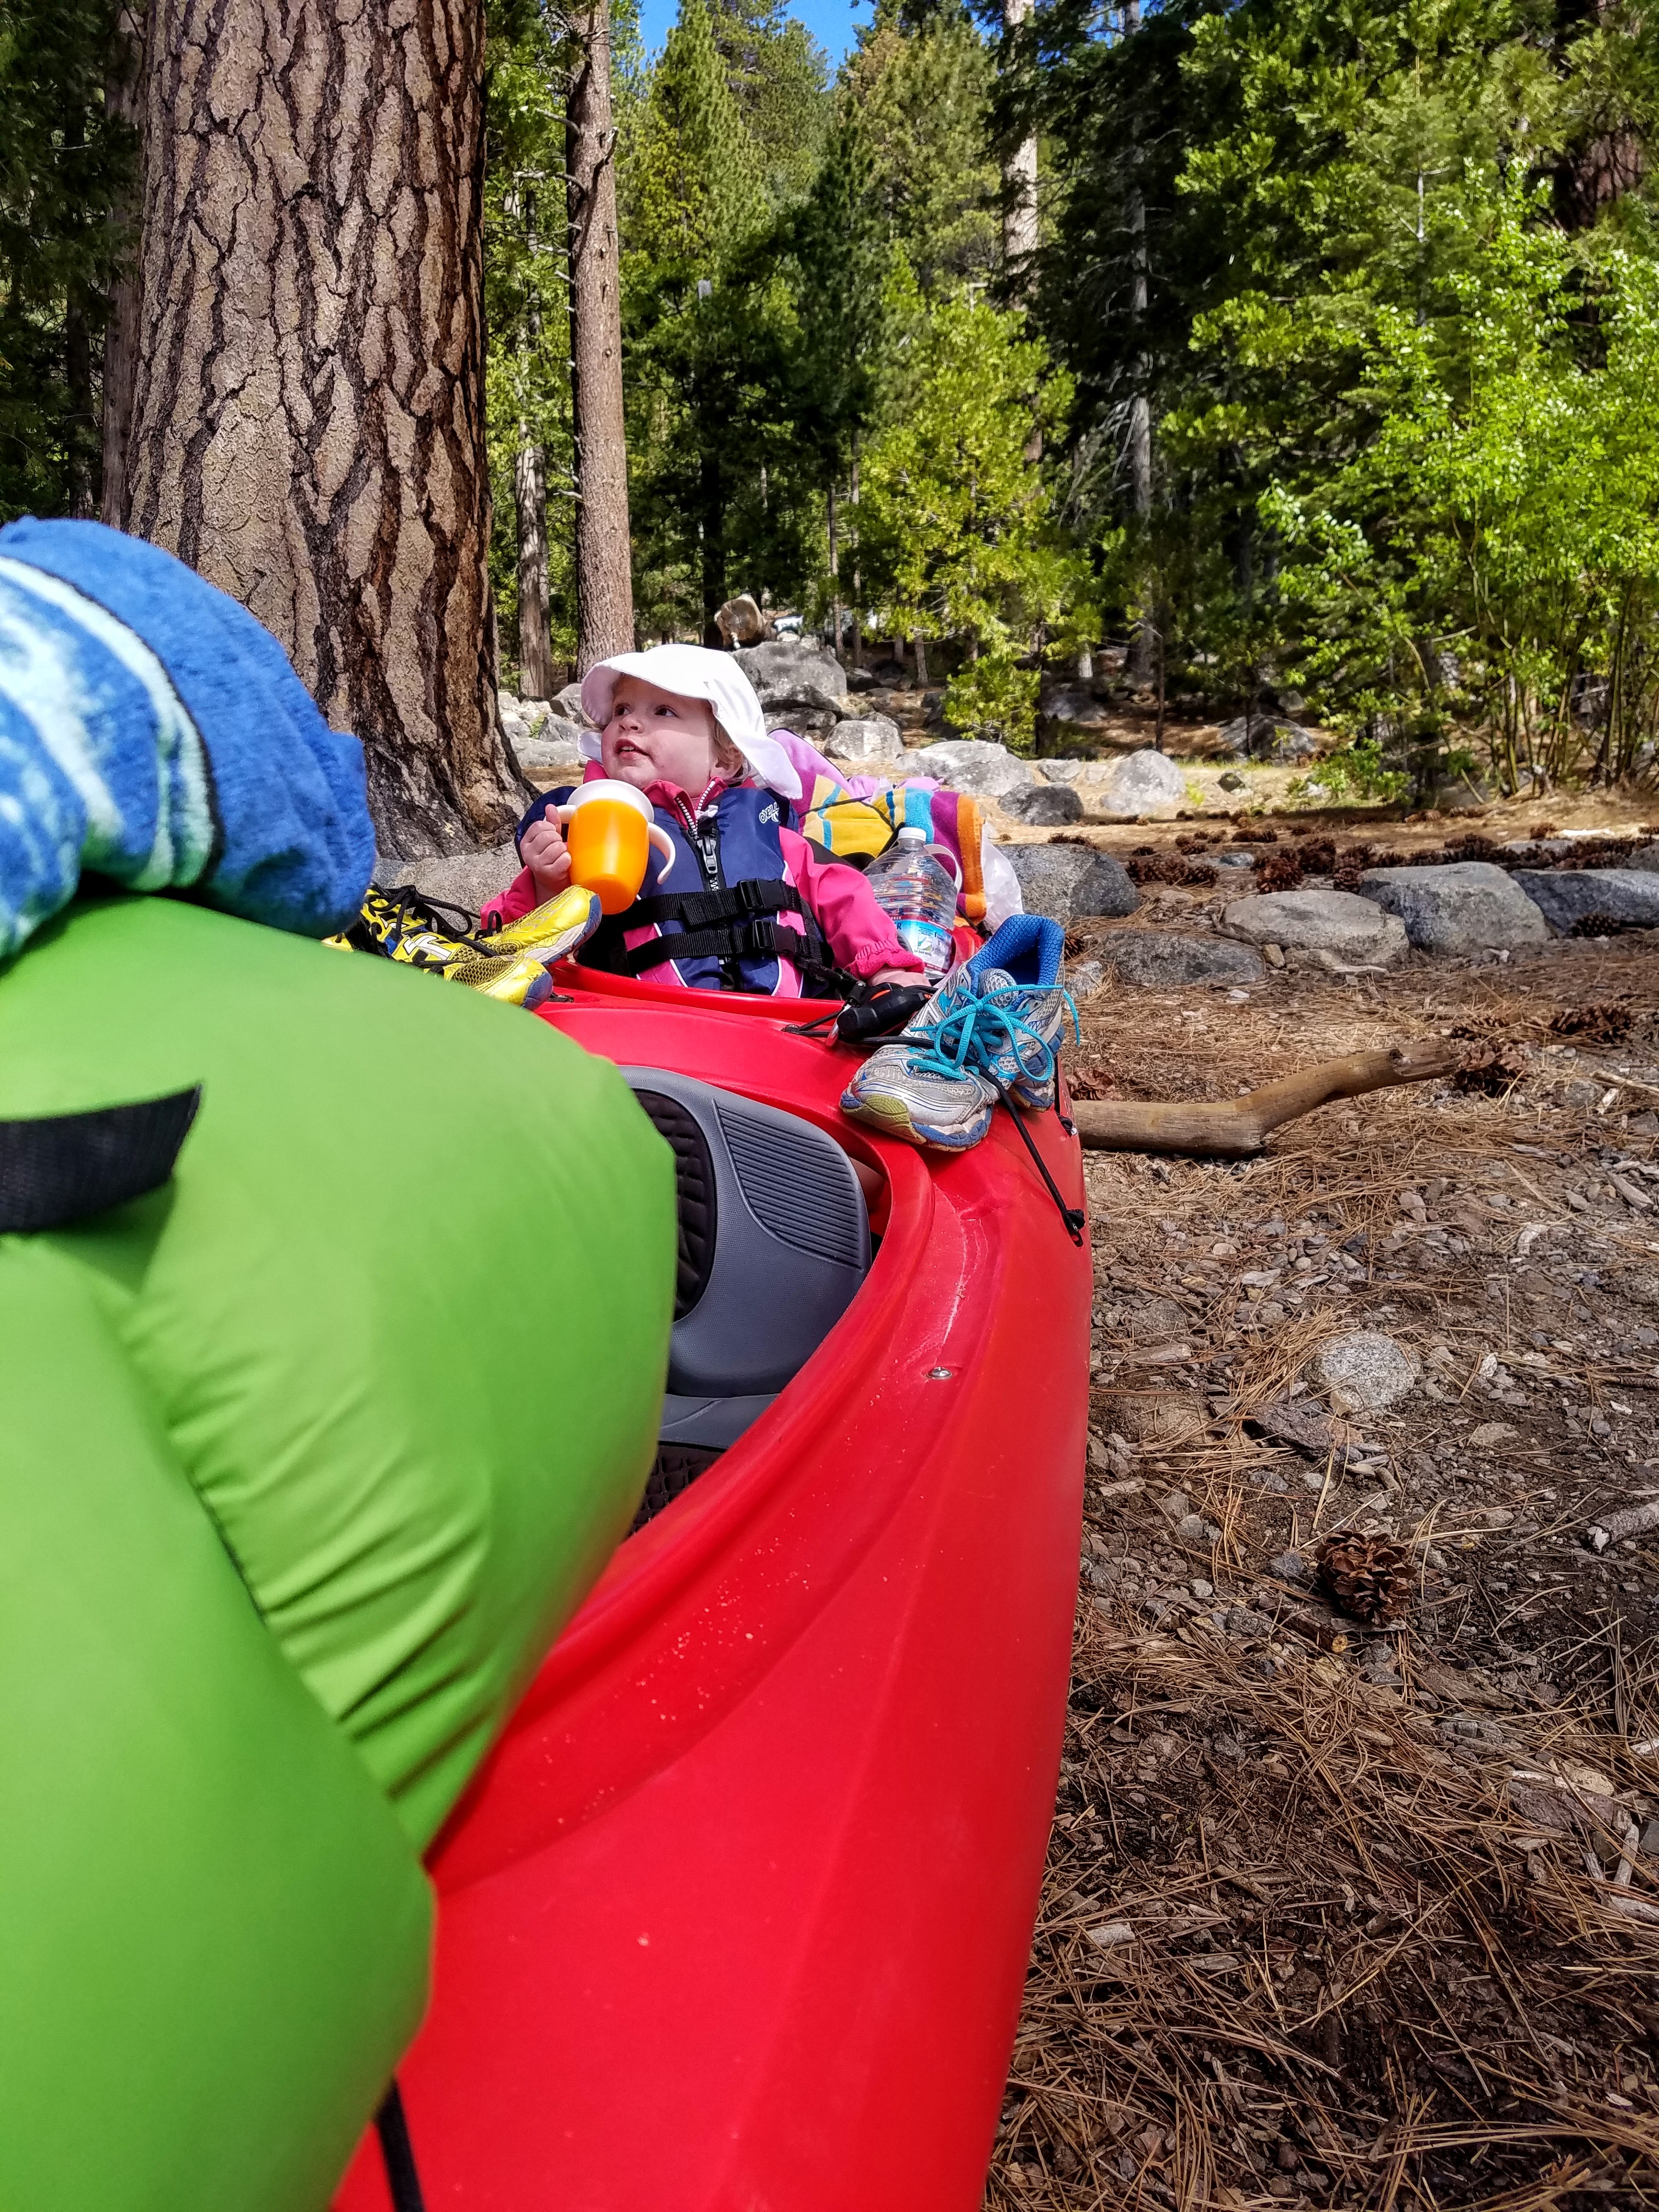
922 97
779 77
696 190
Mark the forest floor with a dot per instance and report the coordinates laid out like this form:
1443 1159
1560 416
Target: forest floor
1336 1917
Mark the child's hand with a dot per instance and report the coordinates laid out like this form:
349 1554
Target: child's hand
543 852
913 977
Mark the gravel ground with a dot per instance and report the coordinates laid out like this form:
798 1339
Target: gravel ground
1336 1915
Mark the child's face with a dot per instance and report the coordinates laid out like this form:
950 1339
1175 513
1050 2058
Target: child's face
657 737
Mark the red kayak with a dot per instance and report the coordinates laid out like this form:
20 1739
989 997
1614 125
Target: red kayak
736 1916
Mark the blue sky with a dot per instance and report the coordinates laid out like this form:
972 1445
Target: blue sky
830 21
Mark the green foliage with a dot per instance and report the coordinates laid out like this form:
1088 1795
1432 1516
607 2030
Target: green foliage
921 96
1356 775
1498 538
780 77
694 187
956 518
65 164
994 697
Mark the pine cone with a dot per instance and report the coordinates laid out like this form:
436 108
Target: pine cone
1602 924
1279 871
1491 1069
1369 1577
1602 1023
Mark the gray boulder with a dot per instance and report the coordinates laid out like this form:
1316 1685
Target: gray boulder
1144 786
1467 906
972 764
1065 768
1266 737
1626 895
1044 806
866 738
1067 881
790 673
1645 858
551 749
1163 959
465 879
1333 928
568 703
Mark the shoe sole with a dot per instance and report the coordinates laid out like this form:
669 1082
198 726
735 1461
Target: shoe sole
892 1119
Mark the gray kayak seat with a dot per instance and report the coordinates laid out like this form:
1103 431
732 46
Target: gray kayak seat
774 1241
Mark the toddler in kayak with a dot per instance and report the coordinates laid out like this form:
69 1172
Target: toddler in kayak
743 905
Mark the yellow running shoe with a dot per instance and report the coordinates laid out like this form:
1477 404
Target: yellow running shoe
553 932
510 963
520 982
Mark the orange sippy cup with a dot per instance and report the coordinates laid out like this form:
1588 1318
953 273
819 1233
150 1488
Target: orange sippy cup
609 833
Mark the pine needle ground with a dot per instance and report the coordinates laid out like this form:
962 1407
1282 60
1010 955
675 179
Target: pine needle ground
1334 1917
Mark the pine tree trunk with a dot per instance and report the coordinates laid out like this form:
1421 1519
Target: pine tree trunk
124 95
711 540
535 638
835 576
604 584
307 423
84 458
1019 188
856 626
1139 666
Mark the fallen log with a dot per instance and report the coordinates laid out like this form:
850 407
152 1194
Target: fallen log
1235 1128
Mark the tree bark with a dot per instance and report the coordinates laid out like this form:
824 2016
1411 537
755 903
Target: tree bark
856 624
1019 189
124 96
1139 666
535 636
711 543
307 423
84 456
835 576
605 583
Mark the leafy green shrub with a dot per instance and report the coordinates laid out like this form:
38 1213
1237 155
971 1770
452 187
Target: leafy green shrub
1357 775
994 697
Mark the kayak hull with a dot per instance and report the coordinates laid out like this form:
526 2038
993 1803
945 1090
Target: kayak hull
735 1916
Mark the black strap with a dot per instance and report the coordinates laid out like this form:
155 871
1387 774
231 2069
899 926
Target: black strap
402 2179
741 902
60 1167
1074 1216
759 938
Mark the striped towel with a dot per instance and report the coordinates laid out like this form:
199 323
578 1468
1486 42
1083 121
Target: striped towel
153 732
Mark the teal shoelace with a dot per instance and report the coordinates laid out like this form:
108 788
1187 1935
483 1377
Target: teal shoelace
970 1035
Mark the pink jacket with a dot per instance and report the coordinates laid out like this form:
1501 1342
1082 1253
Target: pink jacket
861 937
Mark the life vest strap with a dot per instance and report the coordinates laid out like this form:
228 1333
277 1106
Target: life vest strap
759 938
741 902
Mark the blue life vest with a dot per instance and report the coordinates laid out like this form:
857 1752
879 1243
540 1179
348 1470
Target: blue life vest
723 893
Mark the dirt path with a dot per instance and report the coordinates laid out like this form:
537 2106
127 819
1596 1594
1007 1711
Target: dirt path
1336 1917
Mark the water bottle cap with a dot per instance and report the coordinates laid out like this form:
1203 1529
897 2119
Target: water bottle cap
910 835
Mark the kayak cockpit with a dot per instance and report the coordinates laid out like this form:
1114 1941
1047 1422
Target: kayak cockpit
773 1244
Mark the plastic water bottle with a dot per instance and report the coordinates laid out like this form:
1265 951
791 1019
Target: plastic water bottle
921 897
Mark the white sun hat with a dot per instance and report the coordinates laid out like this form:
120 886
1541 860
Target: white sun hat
693 672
